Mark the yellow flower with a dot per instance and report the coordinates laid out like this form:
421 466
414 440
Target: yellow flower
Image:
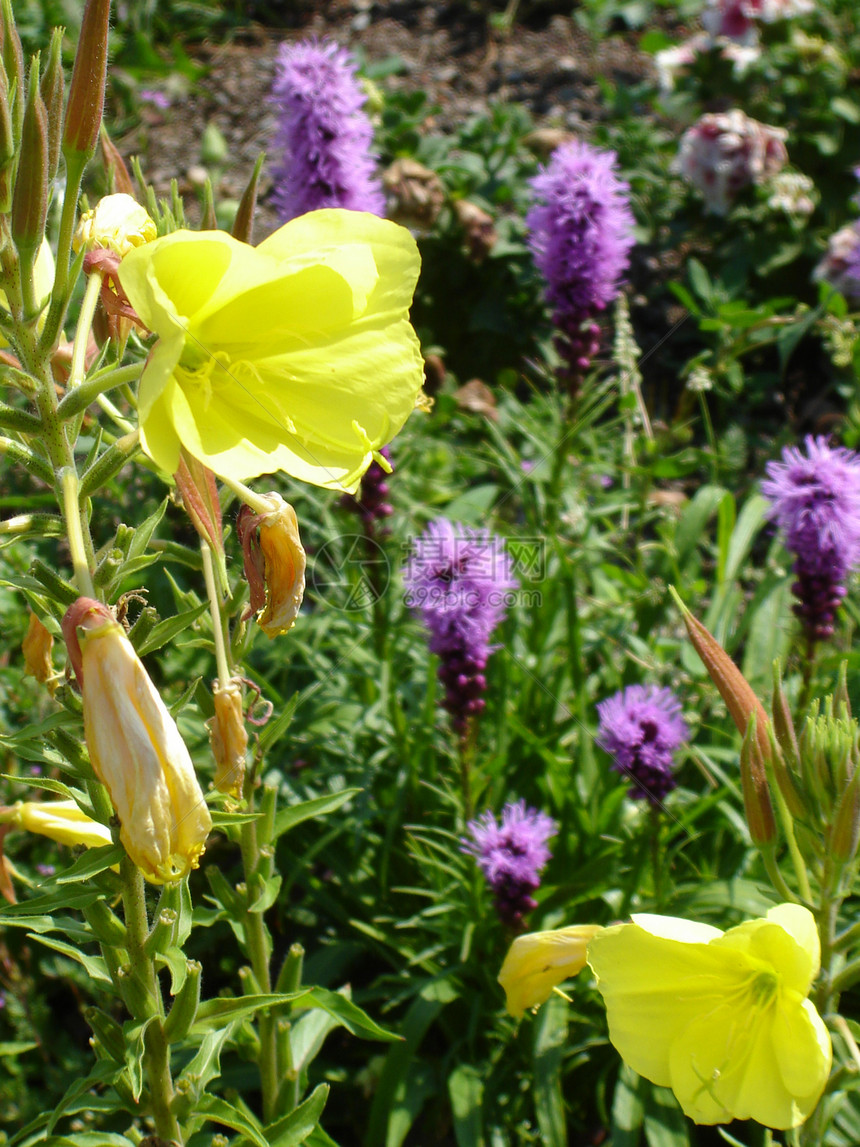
62 821
135 748
538 961
720 1017
274 563
295 355
117 223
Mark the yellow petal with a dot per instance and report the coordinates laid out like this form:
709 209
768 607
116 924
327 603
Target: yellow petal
654 988
62 821
538 961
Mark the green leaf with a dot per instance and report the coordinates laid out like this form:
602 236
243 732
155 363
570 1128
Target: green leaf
40 905
295 1128
628 1109
104 1072
431 999
94 966
218 1110
14 1047
143 533
205 1066
213 1014
288 818
348 1014
550 1038
93 861
166 630
466 1090
221 819
699 280
48 784
134 1034
694 518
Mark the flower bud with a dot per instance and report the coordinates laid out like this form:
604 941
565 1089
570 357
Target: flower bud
119 179
30 197
37 648
7 147
62 821
184 1010
52 87
87 89
228 737
757 803
538 961
13 62
116 223
274 564
135 748
845 834
733 687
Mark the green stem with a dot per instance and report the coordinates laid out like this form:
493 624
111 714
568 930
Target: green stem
258 945
712 439
90 389
221 661
157 1051
77 544
82 332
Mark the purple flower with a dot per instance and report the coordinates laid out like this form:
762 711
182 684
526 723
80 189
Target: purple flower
815 500
511 856
840 266
323 134
641 727
460 581
581 236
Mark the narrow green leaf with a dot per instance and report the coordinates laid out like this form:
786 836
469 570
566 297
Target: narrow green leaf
288 818
466 1090
93 861
94 966
166 630
213 1014
550 1038
218 1110
48 784
104 1072
348 1014
295 1128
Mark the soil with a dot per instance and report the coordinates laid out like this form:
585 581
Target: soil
447 50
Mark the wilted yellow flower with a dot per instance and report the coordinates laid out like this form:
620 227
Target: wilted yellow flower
117 223
720 1017
62 821
538 961
274 563
228 738
135 748
295 355
37 647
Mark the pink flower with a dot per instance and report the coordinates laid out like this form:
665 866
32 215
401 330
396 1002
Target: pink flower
726 151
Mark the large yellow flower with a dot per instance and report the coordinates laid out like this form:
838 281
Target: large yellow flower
295 355
720 1017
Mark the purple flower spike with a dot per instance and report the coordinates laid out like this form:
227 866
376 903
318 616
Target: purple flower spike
815 500
641 727
460 581
511 856
581 236
323 134
371 502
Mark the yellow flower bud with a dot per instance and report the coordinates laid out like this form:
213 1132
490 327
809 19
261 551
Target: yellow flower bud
37 648
117 223
62 821
274 564
538 961
228 738
135 748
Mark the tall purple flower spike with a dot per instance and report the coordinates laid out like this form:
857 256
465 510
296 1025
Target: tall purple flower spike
324 135
641 728
511 856
459 580
581 233
815 500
